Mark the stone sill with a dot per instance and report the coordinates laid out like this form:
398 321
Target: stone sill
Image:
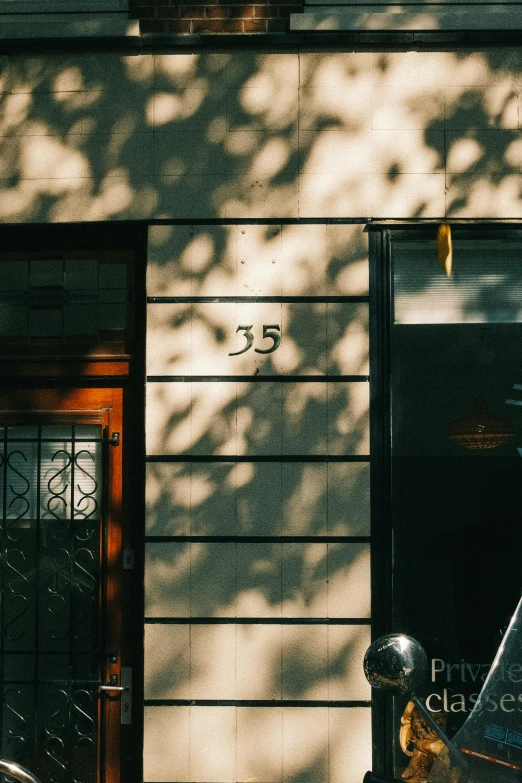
61 6
58 25
409 18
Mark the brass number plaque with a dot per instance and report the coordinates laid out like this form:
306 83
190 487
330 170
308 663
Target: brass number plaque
272 331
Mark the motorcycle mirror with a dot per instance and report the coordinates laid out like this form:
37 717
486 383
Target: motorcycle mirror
395 662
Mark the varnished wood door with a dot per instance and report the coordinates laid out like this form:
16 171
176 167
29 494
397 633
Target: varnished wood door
61 526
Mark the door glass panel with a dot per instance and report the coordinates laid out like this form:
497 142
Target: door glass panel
51 519
56 299
456 473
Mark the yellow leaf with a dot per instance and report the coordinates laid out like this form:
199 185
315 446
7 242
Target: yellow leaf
444 248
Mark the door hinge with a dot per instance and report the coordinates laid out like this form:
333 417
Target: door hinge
114 440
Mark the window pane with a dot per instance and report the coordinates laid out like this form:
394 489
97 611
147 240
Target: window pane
456 488
46 323
13 320
46 273
80 273
113 276
55 299
14 275
485 286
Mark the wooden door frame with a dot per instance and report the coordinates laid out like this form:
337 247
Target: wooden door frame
23 377
102 406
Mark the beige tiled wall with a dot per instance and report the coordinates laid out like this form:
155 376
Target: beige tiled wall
270 616
298 499
270 744
253 136
273 580
411 134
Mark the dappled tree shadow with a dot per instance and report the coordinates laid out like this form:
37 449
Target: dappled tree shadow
259 136
91 137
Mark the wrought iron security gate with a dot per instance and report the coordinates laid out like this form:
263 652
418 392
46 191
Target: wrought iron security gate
52 533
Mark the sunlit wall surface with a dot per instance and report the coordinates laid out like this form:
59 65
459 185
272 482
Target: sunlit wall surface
407 134
257 553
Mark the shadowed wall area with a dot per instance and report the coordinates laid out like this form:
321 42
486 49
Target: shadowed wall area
416 134
257 576
257 554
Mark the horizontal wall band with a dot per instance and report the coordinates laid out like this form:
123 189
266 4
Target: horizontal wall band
257 621
327 39
256 299
256 458
250 703
258 378
487 224
259 539
311 221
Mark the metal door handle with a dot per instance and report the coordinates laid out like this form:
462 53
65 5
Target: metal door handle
16 771
125 691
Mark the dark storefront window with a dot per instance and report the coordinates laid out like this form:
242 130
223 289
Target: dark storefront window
456 489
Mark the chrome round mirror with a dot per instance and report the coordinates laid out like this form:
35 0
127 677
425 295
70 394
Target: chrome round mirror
396 663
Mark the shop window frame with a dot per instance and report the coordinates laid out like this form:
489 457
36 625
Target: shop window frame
381 234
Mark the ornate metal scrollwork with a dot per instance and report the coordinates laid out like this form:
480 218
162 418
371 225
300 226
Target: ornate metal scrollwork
50 533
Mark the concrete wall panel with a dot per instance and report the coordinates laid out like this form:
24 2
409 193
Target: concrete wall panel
257 579
233 743
258 135
204 137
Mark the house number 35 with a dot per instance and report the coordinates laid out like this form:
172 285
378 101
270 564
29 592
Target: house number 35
269 330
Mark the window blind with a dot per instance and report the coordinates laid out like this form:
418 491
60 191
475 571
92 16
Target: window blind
485 285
